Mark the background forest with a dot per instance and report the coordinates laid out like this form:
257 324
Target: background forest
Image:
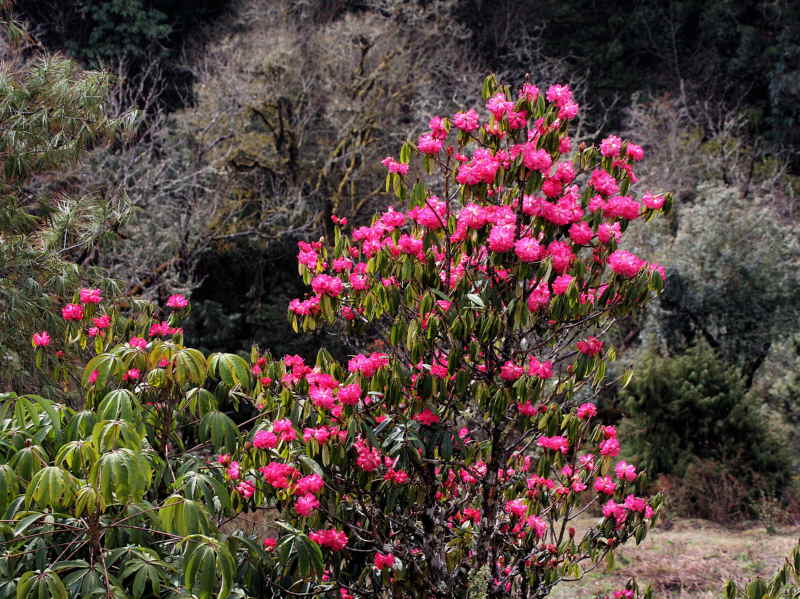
257 120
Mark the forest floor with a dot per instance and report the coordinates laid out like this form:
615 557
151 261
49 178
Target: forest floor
690 560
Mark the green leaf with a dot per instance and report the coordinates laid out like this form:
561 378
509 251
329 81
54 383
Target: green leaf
230 369
51 487
220 429
107 365
190 367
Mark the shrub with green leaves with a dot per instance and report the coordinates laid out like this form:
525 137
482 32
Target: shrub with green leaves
465 437
692 413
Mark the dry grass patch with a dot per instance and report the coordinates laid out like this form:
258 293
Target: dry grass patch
691 560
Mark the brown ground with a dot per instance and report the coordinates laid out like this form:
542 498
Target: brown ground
691 560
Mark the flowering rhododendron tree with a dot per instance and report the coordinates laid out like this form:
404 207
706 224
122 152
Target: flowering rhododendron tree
465 440
447 458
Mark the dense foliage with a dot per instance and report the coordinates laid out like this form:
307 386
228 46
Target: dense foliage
452 460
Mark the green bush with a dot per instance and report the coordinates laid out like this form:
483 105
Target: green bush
693 409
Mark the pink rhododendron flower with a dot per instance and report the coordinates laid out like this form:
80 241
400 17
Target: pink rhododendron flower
305 505
394 166
270 543
102 322
246 489
611 146
562 283
72 312
516 507
587 410
625 264
610 447
604 484
625 471
528 249
90 296
501 238
581 233
177 301
539 297
466 121
310 484
138 342
41 339
383 561
557 443
543 370
427 417
510 371
331 538
636 153
591 346
265 440
327 285
653 202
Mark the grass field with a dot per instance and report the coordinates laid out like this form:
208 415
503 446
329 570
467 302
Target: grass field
690 560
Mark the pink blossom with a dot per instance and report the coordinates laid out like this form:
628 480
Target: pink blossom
625 471
586 411
72 312
310 484
270 543
562 283
621 207
305 505
581 233
265 440
528 249
499 106
350 395
603 182
383 561
246 489
636 153
501 238
90 296
510 371
278 474
102 322
327 285
604 484
653 202
516 507
610 447
539 297
331 538
466 121
557 443
177 301
625 264
427 144
536 160
92 379
427 417
635 504
606 232
611 509
591 346
559 94
41 339
137 342
368 365
529 92
611 146
543 370
561 254
394 166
